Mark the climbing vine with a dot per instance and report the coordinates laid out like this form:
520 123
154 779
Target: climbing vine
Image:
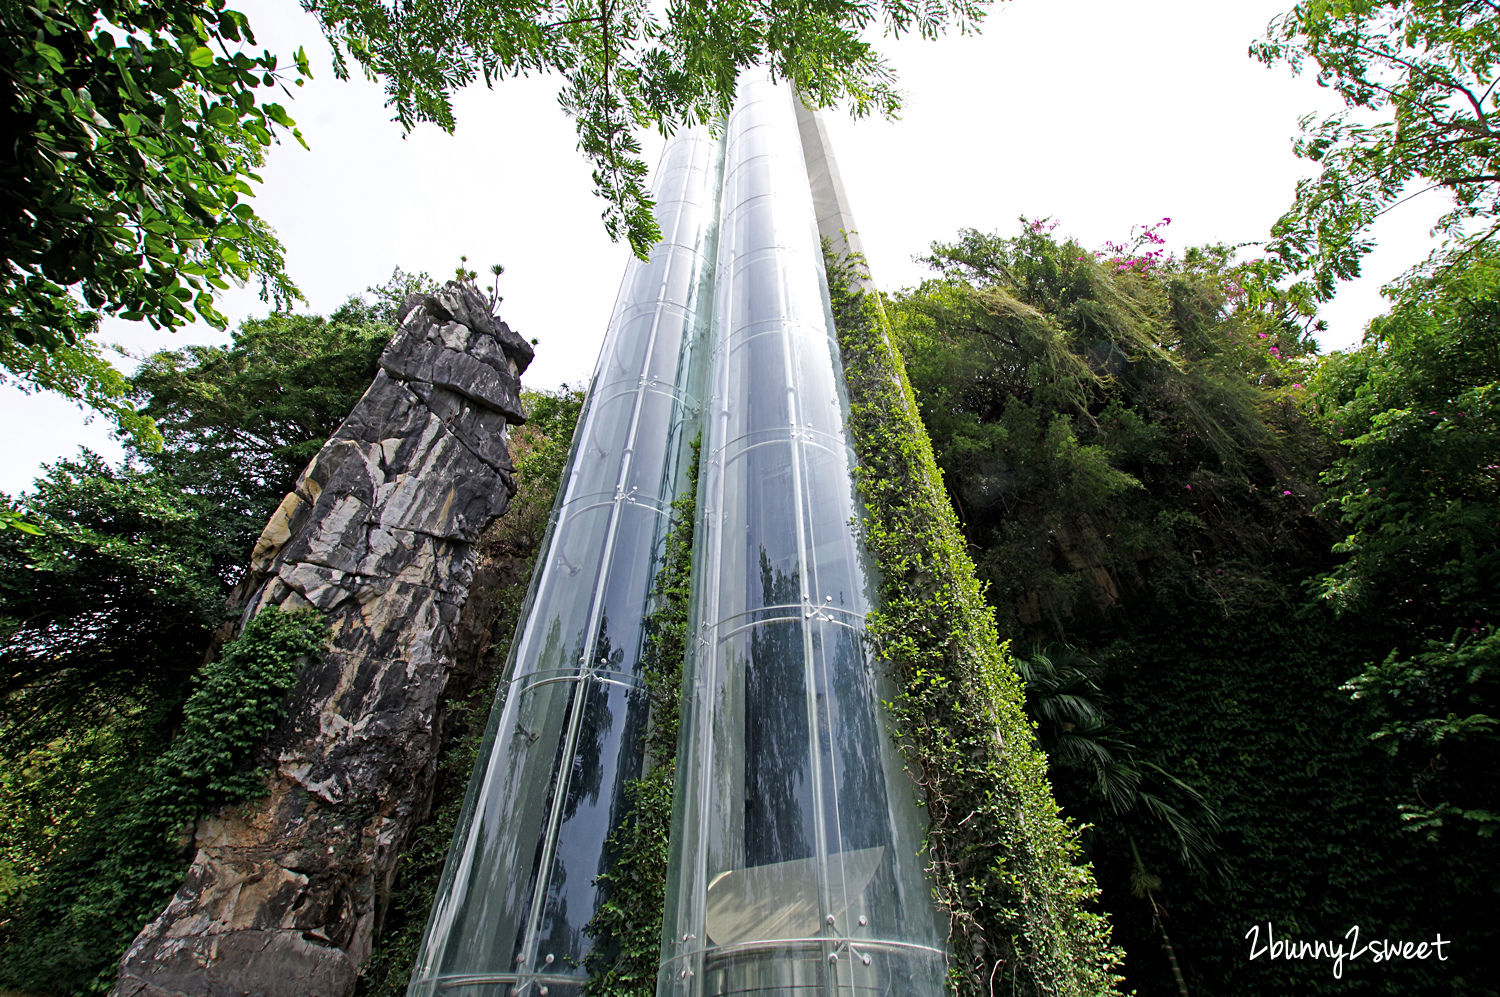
1002 859
98 895
627 927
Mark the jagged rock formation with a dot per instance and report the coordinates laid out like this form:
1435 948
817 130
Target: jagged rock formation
284 894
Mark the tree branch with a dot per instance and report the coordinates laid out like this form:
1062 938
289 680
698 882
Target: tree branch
572 20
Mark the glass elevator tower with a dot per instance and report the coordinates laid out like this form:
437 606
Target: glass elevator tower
565 734
794 856
795 836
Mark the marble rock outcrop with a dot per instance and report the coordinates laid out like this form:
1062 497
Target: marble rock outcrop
284 894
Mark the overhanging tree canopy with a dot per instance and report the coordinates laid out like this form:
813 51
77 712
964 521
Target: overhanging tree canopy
624 67
134 130
1418 78
132 133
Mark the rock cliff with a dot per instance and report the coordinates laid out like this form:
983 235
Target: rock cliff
285 894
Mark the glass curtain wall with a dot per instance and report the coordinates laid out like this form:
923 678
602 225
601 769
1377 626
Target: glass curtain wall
795 838
566 733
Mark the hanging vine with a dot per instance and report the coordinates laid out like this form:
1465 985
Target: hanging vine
627 927
1002 860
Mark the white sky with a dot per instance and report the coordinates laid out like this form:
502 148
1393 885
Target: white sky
1097 113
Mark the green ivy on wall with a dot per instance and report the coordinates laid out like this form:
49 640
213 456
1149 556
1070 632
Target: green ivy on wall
627 928
1004 862
96 897
1147 468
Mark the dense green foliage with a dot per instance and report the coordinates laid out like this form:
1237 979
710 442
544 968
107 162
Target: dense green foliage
1003 861
106 611
123 863
236 701
1417 78
1417 411
1093 763
133 131
628 926
1416 491
1249 709
539 450
1152 468
1102 426
114 599
628 66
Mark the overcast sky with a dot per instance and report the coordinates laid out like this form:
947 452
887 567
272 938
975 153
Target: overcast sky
1096 113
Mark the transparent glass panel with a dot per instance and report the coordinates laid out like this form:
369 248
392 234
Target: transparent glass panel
838 580
757 378
658 447
521 882
755 138
692 228
596 462
760 562
605 755
804 967
860 840
761 863
795 863
481 986
799 757
492 911
666 362
804 295
624 595
672 177
791 969
553 639
756 293
756 218
819 407
630 343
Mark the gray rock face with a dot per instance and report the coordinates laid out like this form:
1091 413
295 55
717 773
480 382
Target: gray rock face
285 894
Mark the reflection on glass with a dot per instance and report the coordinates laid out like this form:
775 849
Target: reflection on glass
794 866
519 888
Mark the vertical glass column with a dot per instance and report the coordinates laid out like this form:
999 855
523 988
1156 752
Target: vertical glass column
566 733
794 862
